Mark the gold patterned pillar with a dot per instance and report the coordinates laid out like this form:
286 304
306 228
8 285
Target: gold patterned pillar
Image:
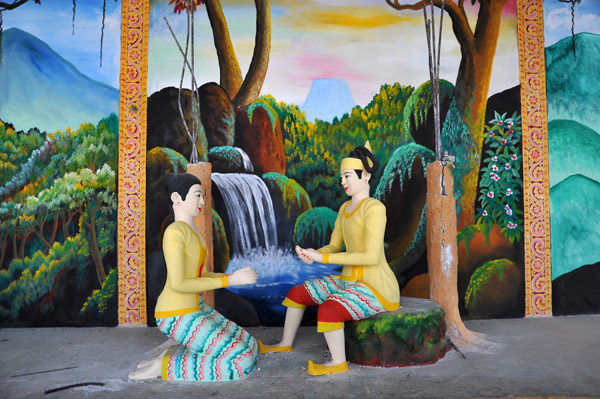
132 163
536 187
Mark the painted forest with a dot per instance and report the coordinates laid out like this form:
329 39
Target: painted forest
58 225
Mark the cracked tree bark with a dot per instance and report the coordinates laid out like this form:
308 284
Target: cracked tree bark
442 250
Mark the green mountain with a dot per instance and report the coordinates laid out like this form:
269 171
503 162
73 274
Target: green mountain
574 217
573 84
573 150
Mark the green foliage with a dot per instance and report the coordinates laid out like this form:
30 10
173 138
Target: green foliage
27 280
501 178
457 140
467 234
482 276
314 151
400 165
293 196
102 302
264 104
313 228
419 105
15 149
61 196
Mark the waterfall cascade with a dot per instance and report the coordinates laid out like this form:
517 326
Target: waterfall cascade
248 167
250 211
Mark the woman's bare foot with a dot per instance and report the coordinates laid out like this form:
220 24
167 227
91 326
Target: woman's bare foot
150 369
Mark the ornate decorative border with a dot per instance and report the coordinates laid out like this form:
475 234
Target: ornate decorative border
132 162
536 187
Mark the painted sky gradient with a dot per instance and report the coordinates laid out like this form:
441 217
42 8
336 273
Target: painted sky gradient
364 42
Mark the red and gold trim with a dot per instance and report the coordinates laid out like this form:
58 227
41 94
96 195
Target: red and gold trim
536 187
132 162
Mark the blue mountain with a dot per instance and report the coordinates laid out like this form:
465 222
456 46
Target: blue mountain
41 89
328 98
573 83
574 217
573 150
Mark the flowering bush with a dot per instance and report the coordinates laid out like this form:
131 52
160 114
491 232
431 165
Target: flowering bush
501 181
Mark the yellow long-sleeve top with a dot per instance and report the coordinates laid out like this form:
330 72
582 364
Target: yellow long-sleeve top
362 230
185 254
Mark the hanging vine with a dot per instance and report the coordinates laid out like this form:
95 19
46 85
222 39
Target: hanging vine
73 23
572 2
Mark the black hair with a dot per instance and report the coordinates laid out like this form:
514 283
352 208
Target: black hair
364 154
179 183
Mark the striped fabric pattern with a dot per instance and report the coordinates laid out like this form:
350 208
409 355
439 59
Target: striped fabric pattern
212 348
357 299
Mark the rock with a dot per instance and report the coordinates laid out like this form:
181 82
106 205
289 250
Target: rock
577 292
220 244
496 290
313 228
413 335
258 133
289 201
217 115
417 287
402 190
165 127
226 159
236 308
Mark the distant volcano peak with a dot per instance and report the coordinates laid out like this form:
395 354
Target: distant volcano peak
328 98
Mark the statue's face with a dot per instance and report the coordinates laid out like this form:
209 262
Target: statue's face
352 184
194 202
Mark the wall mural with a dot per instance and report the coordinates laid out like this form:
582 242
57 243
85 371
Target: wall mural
572 59
286 89
58 133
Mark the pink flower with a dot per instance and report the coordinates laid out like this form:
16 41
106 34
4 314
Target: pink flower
509 192
509 212
510 123
496 177
507 166
514 157
494 158
503 142
506 207
500 123
494 168
491 134
510 225
490 194
510 132
484 213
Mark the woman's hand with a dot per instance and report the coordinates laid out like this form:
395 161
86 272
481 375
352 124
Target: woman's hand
309 255
243 276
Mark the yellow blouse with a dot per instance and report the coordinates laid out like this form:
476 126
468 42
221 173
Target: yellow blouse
185 254
364 261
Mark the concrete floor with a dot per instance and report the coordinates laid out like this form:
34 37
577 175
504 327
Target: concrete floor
541 357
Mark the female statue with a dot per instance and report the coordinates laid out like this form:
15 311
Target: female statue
366 286
211 348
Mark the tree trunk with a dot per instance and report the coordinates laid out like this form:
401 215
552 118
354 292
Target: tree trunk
472 87
442 250
257 72
231 75
93 241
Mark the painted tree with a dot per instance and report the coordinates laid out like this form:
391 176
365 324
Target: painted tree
478 48
242 90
